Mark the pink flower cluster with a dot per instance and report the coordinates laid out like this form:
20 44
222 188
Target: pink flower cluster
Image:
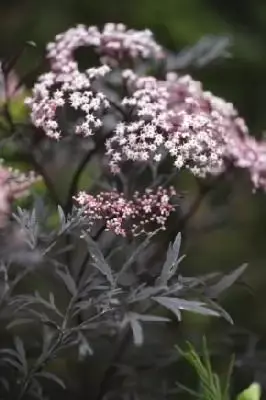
200 131
175 117
149 210
115 43
201 127
70 88
66 86
141 138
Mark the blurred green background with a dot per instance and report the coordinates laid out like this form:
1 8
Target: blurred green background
241 79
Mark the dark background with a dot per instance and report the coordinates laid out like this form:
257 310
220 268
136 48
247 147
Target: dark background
241 232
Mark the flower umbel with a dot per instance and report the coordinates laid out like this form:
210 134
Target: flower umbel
71 89
141 138
178 118
173 117
115 44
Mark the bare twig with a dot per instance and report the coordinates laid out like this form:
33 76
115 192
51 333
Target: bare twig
75 181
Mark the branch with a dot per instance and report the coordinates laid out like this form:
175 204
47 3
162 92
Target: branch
124 340
86 159
203 192
111 370
84 264
40 170
75 181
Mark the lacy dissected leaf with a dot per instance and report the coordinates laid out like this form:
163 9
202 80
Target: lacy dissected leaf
98 258
136 327
206 50
176 305
51 377
225 282
68 281
171 262
136 253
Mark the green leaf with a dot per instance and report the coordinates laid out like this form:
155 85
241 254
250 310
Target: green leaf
210 384
253 392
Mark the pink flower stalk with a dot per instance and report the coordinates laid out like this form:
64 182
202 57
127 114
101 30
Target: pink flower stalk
123 216
70 88
115 43
13 185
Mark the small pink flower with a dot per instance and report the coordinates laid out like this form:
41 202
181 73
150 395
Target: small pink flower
146 211
115 44
178 118
54 91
